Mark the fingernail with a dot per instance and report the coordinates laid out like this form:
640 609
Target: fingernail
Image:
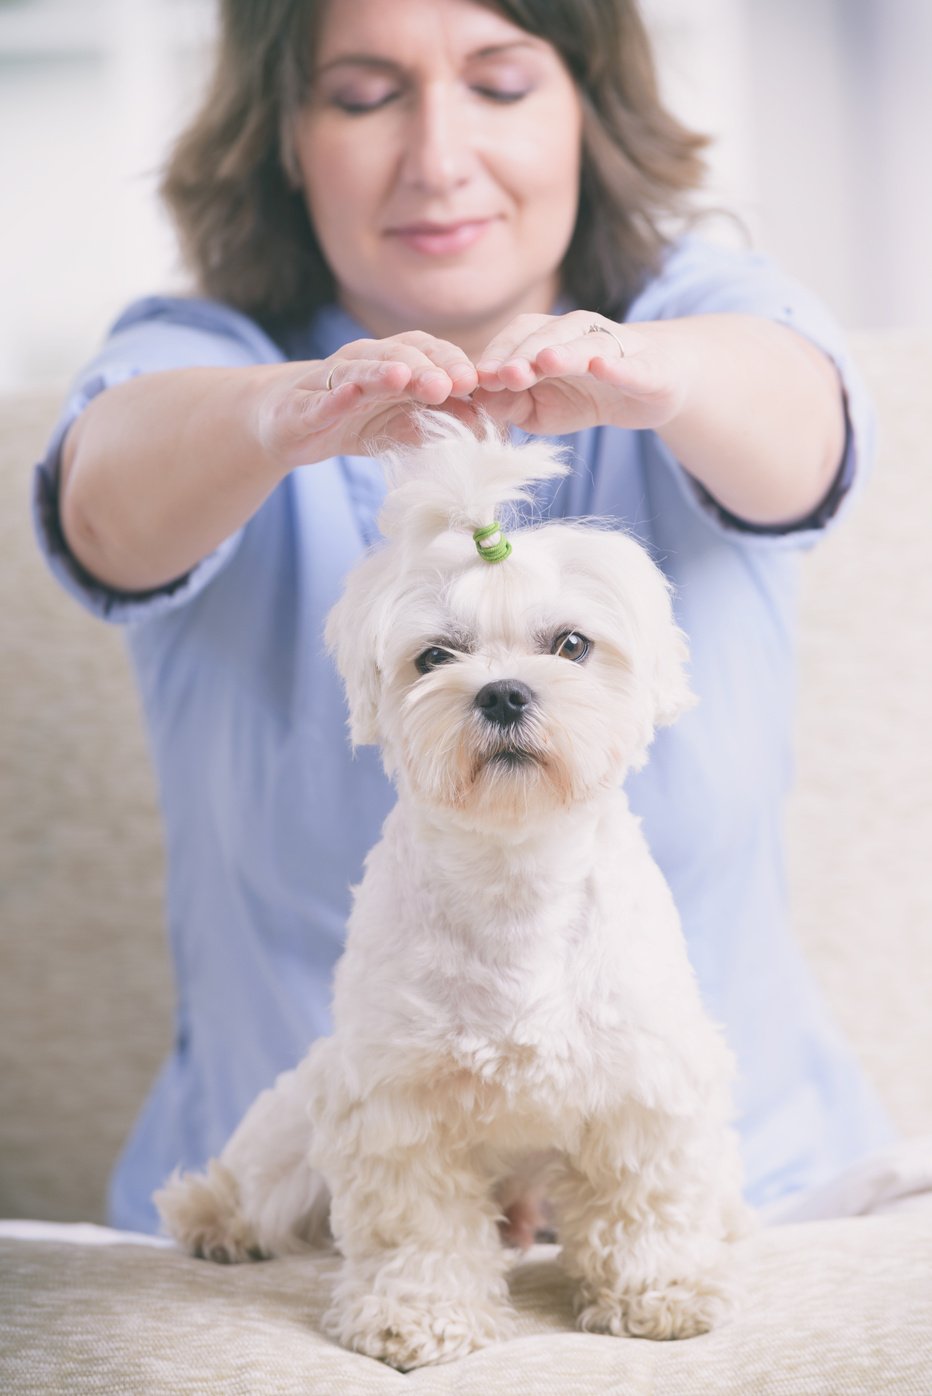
489 366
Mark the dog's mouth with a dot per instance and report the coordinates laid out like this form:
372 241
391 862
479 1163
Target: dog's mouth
511 758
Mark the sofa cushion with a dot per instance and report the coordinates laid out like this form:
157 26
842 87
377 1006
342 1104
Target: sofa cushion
829 1307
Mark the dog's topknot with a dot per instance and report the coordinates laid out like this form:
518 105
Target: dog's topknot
457 478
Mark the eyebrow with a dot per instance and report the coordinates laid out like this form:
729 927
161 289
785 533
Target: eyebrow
453 636
374 60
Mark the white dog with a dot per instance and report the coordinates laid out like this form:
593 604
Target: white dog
515 999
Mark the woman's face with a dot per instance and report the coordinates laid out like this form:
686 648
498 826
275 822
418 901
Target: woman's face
439 154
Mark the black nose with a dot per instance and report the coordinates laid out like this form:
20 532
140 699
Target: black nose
504 702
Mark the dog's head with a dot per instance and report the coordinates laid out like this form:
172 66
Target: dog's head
502 690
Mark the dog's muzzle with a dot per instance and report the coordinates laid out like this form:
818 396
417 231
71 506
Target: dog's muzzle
504 702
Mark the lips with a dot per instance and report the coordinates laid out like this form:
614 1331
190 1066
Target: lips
442 239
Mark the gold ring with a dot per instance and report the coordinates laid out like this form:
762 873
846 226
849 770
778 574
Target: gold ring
603 329
330 378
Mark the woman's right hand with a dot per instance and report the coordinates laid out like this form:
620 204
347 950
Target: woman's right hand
374 383
158 470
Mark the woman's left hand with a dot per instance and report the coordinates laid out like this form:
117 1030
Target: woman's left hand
553 374
750 408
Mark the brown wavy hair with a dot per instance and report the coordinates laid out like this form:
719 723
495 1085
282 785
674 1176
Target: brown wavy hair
242 222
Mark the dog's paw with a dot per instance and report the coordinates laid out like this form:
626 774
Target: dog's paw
407 1334
676 1310
202 1212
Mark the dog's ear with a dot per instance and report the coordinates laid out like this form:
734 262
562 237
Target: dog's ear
643 597
665 647
352 638
671 691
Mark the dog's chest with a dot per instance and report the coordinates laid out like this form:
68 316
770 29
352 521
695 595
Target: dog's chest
519 1054
513 999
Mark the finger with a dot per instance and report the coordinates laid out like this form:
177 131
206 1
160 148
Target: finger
414 376
593 333
510 342
564 346
505 408
423 353
578 356
571 359
524 370
513 375
450 357
371 375
464 409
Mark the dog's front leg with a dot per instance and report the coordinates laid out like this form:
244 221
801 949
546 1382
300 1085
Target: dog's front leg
423 1274
645 1211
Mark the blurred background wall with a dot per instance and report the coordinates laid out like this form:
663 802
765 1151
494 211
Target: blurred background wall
821 111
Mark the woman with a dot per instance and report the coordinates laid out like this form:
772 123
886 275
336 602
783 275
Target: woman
453 203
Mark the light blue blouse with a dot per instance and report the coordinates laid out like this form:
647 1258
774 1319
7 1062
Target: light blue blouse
268 815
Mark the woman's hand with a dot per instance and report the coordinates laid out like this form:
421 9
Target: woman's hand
552 374
159 470
359 398
749 407
548 374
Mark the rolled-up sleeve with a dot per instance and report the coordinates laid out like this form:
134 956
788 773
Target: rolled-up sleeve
700 279
152 335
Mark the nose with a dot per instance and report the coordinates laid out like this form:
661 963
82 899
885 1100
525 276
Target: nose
504 701
437 146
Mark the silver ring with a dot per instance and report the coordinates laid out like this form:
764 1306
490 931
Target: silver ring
330 378
603 329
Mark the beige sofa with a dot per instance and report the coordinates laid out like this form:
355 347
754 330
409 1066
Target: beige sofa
840 1306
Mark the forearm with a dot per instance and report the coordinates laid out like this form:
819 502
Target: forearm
159 470
761 423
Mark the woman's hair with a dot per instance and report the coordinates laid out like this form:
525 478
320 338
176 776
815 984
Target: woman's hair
243 225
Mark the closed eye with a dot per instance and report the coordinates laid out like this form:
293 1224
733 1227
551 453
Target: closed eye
503 95
358 108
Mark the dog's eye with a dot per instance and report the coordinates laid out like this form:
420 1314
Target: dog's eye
571 645
432 659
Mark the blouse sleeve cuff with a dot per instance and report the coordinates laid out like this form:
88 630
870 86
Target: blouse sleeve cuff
844 490
105 602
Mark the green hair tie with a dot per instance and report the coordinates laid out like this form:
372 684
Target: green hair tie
491 552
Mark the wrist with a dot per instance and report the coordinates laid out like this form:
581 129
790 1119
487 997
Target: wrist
262 404
671 347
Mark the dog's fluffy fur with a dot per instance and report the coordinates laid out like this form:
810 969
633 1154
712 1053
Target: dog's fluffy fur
515 1001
